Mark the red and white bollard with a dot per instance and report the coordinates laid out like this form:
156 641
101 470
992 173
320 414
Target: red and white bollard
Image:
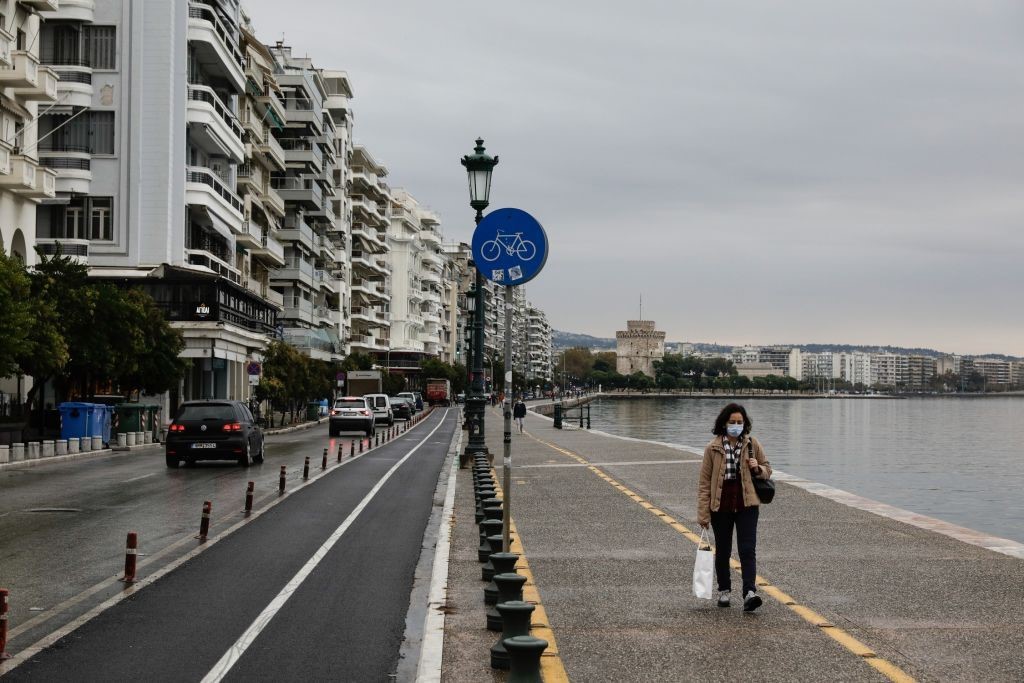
248 497
131 553
3 624
323 463
204 523
305 469
280 482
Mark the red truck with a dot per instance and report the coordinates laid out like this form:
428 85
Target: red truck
439 392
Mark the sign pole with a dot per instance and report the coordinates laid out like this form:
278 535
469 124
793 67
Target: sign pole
506 513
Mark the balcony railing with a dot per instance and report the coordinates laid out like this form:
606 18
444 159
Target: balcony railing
200 10
201 93
198 174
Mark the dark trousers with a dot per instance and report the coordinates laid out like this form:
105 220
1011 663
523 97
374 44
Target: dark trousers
744 519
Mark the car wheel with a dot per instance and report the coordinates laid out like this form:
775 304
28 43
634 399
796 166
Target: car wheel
369 431
258 458
245 459
173 461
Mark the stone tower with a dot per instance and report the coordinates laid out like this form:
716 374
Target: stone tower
637 347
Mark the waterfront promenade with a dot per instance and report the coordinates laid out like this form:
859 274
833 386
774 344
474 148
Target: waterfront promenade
607 528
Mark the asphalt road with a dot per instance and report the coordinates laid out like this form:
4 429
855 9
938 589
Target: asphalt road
345 621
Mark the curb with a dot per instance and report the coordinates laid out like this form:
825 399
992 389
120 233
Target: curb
294 428
36 462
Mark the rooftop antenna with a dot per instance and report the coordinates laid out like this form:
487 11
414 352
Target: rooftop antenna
641 307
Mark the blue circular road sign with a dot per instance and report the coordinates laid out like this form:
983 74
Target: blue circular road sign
510 247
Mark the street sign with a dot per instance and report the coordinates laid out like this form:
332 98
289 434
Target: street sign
253 368
509 247
340 377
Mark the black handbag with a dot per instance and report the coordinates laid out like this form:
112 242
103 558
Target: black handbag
765 487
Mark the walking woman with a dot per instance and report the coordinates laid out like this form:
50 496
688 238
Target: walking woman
726 498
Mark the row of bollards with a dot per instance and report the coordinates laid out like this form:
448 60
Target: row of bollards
516 650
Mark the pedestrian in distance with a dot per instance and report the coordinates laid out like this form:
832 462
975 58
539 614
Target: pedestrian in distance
727 499
519 412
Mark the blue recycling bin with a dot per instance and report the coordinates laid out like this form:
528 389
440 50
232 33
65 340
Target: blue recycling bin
76 419
99 424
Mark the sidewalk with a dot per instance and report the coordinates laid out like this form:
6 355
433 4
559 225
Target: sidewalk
607 529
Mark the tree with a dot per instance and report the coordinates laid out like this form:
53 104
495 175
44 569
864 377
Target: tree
156 364
393 383
605 361
16 311
357 361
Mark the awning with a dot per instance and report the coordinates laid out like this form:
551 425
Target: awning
275 120
218 225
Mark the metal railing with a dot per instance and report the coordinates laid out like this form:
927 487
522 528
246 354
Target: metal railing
202 93
198 174
84 77
198 9
67 163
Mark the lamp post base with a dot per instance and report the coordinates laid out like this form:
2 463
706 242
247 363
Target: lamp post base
475 408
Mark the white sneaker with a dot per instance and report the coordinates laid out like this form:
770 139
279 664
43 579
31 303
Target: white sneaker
751 601
723 598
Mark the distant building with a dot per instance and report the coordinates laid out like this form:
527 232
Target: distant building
920 372
752 370
637 347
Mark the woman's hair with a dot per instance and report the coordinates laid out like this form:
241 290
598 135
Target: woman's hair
723 417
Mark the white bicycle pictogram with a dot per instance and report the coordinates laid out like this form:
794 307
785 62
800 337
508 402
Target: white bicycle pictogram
511 243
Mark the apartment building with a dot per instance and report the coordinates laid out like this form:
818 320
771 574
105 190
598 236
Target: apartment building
311 319
889 369
147 144
338 107
26 178
920 372
538 346
855 368
459 259
369 273
415 278
994 370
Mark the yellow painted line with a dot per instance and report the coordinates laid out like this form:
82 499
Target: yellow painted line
551 668
849 642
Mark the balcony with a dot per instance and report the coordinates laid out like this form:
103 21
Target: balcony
294 270
250 235
303 191
272 150
304 110
269 251
213 45
7 43
366 262
296 230
252 121
205 188
71 10
45 186
322 279
28 79
302 154
298 310
370 289
22 176
73 168
74 84
214 126
272 103
368 235
5 160
431 236
78 250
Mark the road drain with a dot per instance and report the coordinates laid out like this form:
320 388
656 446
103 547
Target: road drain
54 510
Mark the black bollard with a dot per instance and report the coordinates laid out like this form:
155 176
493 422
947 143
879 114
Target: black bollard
510 587
339 452
305 469
323 463
489 527
515 621
524 658
503 563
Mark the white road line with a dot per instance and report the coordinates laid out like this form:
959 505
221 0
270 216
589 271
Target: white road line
432 647
608 464
235 652
144 476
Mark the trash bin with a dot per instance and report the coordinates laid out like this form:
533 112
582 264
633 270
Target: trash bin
100 422
312 410
75 419
129 417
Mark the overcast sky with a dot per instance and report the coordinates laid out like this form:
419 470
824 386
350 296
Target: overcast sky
761 172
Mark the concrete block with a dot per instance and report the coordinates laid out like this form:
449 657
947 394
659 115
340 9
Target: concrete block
97 443
5 454
73 445
17 452
85 443
131 438
148 437
62 446
46 449
140 438
122 440
32 452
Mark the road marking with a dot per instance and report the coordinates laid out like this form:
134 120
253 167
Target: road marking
144 476
609 464
46 641
551 668
235 652
432 647
851 644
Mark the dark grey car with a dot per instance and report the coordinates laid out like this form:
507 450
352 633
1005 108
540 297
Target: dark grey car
214 430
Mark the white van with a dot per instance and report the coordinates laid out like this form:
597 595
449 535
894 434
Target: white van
381 406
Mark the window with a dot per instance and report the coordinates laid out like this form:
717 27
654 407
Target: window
102 132
101 46
101 214
91 132
74 222
85 218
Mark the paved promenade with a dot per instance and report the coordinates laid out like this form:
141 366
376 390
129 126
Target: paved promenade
607 528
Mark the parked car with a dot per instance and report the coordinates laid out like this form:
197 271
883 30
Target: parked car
402 407
460 397
419 400
351 414
214 430
412 399
380 404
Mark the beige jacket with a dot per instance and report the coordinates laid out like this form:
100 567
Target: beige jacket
712 476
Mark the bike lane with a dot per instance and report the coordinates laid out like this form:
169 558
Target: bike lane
179 627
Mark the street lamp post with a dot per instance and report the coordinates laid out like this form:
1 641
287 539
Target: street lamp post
479 167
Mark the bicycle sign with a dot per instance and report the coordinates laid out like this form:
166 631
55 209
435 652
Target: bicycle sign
510 247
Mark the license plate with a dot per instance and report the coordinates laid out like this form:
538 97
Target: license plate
204 445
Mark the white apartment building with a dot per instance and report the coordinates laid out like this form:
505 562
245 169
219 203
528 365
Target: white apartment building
369 274
312 238
26 87
889 369
855 368
147 143
538 346
823 364
338 107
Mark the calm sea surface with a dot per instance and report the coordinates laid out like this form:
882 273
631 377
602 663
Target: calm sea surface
957 459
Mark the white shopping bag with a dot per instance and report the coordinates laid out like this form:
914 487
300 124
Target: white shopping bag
703 569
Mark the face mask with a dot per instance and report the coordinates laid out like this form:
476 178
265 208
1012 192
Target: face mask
734 430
